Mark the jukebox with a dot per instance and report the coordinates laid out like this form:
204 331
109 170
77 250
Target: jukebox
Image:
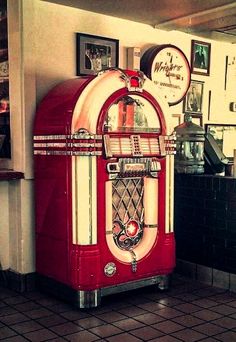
103 161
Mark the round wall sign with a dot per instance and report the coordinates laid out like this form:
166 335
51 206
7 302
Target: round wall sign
167 66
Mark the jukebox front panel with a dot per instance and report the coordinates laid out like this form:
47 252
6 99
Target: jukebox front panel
131 221
113 139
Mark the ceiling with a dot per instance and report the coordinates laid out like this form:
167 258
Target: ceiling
214 19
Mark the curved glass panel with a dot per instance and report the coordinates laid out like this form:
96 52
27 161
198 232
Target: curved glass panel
132 113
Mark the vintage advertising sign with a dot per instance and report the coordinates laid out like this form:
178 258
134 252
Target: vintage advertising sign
168 67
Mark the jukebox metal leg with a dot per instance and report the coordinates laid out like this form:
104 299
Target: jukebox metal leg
88 299
163 283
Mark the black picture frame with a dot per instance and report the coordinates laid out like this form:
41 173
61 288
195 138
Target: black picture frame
192 103
95 53
200 57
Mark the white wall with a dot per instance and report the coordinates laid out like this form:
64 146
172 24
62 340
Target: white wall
56 51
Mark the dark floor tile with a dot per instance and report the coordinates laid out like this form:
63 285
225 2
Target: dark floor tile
105 330
25 327
7 310
132 311
38 313
209 291
28 306
110 317
149 318
168 327
187 308
90 322
40 335
210 339
51 320
73 315
207 315
65 328
229 336
188 335
16 339
151 306
205 302
169 313
15 300
83 336
188 320
166 338
226 322
60 307
223 309
58 339
170 301
47 301
128 324
146 333
233 303
209 329
224 297
123 337
14 318
187 297
6 332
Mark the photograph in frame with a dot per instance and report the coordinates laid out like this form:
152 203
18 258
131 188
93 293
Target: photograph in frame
95 53
192 103
200 57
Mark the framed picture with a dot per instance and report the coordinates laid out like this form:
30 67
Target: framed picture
193 99
200 57
94 53
225 136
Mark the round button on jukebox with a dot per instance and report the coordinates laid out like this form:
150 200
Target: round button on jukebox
110 269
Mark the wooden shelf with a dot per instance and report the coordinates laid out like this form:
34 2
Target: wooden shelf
10 175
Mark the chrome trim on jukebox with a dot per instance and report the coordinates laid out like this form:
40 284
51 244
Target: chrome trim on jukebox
140 78
134 167
159 280
82 143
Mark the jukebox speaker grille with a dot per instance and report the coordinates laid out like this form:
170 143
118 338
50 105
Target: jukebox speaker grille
127 199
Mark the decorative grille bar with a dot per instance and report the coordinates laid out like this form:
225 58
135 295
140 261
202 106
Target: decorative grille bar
127 199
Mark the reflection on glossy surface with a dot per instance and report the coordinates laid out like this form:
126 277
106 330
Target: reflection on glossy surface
132 113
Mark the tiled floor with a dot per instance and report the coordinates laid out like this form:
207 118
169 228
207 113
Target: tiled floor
188 312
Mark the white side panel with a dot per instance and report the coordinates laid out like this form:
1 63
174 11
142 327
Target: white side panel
169 208
151 200
84 192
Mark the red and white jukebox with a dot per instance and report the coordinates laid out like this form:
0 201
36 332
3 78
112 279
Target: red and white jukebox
103 187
